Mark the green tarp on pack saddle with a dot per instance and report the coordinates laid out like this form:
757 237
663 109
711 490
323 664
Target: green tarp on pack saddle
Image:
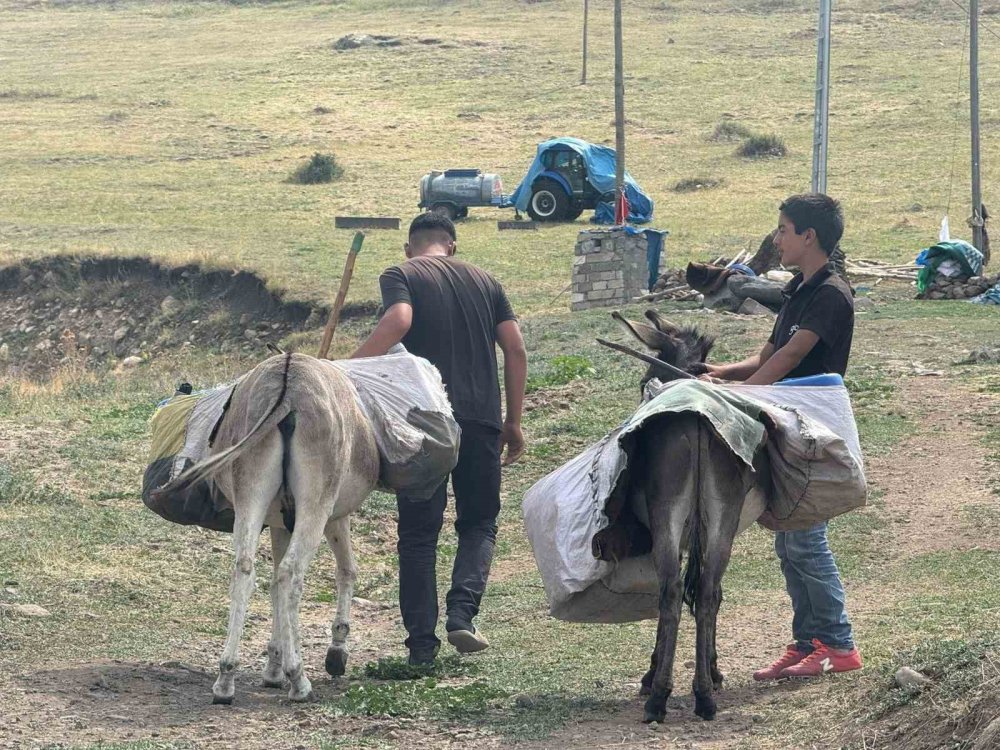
182 429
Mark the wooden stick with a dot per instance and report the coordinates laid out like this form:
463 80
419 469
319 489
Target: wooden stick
345 282
676 371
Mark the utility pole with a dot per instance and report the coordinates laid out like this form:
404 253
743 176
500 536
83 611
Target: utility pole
619 107
586 13
821 126
977 195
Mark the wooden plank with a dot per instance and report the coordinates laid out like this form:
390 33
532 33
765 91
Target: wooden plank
366 222
501 225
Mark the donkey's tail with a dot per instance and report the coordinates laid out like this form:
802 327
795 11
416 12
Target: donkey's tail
204 469
692 574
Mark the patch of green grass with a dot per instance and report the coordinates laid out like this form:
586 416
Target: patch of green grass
730 130
19 488
426 697
561 369
762 146
397 668
690 184
958 669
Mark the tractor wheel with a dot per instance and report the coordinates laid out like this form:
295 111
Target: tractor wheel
445 209
549 201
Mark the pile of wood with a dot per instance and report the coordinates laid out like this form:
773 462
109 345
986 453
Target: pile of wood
959 287
875 269
670 285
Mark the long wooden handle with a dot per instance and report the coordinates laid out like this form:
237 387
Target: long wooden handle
338 305
663 366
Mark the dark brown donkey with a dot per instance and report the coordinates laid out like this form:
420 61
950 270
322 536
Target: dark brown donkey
695 493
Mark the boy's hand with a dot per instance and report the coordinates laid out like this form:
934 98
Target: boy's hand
714 374
512 438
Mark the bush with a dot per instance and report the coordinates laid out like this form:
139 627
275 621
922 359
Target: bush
758 146
729 130
561 370
321 168
690 184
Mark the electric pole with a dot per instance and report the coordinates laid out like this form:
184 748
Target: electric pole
586 13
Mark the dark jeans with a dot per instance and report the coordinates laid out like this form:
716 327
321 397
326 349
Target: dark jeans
813 583
476 484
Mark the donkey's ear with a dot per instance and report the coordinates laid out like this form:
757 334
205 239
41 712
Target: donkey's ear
648 335
661 323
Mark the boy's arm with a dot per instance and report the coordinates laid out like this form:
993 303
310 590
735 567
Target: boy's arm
389 331
785 359
515 374
746 368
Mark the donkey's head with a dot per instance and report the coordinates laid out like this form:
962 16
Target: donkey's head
681 346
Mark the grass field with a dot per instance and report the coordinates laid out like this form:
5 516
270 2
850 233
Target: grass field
168 129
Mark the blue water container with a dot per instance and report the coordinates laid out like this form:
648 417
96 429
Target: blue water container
830 378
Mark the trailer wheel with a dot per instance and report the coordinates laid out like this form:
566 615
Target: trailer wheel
445 209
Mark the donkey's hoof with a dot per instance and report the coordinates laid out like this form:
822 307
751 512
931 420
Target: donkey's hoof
336 662
645 689
655 710
222 700
704 707
304 697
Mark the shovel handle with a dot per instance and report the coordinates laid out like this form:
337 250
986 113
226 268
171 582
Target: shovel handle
338 305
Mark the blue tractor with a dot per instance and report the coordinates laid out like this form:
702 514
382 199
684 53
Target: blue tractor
569 176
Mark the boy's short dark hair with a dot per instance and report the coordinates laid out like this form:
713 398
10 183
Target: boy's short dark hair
818 212
431 221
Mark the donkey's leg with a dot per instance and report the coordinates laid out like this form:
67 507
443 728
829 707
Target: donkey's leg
257 484
670 498
291 572
722 488
273 676
338 534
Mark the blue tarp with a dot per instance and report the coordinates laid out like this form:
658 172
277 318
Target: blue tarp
600 161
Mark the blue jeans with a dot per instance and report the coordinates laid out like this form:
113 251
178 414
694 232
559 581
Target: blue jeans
813 583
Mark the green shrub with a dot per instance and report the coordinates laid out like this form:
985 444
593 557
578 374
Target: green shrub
758 146
321 168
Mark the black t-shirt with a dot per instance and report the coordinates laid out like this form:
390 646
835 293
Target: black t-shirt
456 310
823 305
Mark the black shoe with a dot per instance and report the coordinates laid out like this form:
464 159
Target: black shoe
422 657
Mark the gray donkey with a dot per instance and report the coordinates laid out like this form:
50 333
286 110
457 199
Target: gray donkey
695 492
294 451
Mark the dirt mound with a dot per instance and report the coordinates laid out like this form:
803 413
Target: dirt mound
358 41
96 312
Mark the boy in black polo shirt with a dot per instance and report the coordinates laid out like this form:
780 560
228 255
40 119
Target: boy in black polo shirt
811 336
454 315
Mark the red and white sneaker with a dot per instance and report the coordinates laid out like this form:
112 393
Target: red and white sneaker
824 660
791 657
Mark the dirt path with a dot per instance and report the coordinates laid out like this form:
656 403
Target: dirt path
122 701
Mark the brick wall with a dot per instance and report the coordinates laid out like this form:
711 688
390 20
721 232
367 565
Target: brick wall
609 268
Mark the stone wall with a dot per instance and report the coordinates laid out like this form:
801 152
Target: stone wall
609 268
943 287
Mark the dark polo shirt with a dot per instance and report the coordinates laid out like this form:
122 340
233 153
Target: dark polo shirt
456 310
825 306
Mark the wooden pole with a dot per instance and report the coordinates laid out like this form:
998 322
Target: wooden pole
345 282
619 106
586 13
822 110
977 194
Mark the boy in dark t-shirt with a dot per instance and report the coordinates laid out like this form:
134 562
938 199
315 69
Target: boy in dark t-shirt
812 335
454 315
